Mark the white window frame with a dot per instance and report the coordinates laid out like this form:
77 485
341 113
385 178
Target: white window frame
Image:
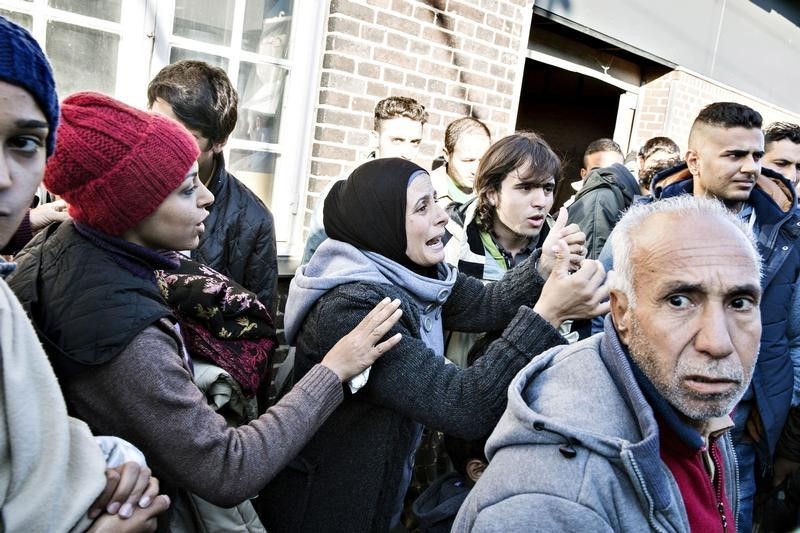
145 31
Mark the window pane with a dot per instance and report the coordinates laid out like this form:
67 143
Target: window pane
177 54
256 170
267 24
260 101
26 21
209 21
82 58
107 9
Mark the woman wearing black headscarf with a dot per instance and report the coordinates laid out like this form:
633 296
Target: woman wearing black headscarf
386 240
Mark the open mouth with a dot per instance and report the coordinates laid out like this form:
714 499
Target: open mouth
436 242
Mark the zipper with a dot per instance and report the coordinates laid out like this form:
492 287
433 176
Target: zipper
651 514
734 497
714 453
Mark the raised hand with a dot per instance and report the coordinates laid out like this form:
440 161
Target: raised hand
565 296
357 350
572 235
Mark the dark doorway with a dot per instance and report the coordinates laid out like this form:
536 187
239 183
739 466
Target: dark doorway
569 110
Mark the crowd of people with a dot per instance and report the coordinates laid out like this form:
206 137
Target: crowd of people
464 360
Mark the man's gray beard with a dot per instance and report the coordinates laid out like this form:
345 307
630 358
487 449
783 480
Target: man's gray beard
693 406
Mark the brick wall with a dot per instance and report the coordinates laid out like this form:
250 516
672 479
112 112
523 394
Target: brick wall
668 105
456 57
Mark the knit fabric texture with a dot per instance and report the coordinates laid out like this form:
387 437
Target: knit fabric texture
23 63
114 164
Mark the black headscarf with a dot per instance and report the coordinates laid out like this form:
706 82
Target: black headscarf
368 210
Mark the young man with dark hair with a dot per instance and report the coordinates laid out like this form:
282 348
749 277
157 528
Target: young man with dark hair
723 161
465 142
239 239
782 150
398 133
608 189
601 153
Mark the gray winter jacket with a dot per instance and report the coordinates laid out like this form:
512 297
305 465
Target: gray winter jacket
578 450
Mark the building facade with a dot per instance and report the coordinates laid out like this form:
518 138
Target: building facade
309 72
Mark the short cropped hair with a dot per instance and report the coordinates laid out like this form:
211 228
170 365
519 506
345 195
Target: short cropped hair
461 451
729 115
201 96
463 126
510 153
622 239
778 131
658 144
601 145
399 106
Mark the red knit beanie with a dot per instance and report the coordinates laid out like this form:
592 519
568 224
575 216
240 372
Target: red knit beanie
114 164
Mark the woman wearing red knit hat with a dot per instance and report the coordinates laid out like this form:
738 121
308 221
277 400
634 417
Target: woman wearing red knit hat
130 179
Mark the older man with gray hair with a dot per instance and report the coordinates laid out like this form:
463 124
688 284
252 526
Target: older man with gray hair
627 430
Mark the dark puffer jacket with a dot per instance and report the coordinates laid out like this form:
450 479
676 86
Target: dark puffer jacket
606 193
239 240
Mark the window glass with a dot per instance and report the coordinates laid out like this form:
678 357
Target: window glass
177 54
82 58
256 169
107 9
260 101
267 24
26 21
209 21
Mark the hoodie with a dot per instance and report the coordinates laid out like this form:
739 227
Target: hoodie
579 421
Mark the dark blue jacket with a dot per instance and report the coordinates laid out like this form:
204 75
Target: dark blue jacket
777 229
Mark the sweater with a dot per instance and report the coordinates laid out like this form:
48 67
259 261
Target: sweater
348 476
51 469
145 393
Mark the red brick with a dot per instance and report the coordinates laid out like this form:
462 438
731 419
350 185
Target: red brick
480 112
436 86
322 168
340 24
437 69
470 78
414 81
347 46
445 21
479 65
377 89
489 5
504 87
465 10
397 42
476 95
363 104
500 116
458 108
502 40
423 14
343 82
392 75
407 26
403 7
484 34
443 55
391 57
436 35
498 71
328 134
332 151
353 9
456 91
334 98
376 35
369 70
489 52
383 4
509 11
465 28
358 138
338 62
420 48
338 118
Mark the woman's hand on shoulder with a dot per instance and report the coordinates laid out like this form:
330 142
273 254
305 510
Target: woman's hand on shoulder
357 350
565 295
